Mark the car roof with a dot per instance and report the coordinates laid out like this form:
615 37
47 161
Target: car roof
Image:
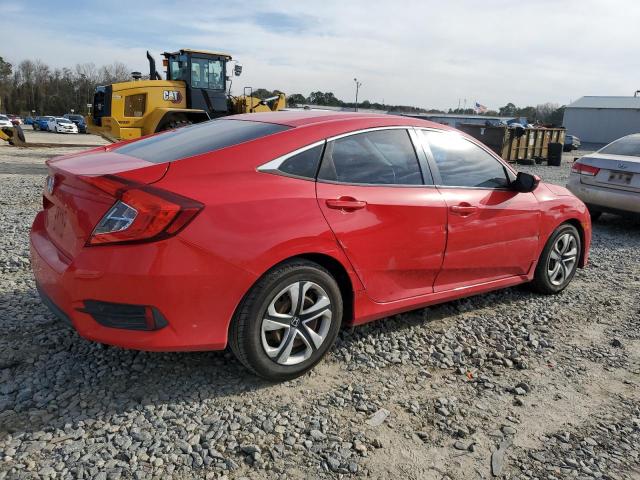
303 118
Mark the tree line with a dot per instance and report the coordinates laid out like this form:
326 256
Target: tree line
545 113
34 86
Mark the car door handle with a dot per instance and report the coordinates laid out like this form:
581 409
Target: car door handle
464 209
348 204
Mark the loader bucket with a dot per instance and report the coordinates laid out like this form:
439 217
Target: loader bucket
15 136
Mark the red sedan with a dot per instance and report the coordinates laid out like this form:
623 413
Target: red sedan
269 231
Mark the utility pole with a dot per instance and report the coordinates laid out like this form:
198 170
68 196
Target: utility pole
358 85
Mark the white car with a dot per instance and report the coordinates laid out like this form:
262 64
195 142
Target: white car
5 122
62 125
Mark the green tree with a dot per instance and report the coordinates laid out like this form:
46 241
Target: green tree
509 110
296 99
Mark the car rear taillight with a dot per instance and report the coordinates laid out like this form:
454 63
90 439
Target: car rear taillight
583 169
141 213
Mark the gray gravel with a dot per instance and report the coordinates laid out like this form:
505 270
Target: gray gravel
509 383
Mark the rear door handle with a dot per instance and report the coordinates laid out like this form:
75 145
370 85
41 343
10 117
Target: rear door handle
348 204
464 209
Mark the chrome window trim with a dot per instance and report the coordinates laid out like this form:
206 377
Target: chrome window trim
273 166
408 129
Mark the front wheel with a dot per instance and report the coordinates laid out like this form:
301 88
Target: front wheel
288 321
558 261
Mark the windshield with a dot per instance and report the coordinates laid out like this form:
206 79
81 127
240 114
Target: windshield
74 117
629 146
207 74
63 120
4 117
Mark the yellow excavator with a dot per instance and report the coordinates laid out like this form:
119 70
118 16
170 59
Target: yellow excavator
197 88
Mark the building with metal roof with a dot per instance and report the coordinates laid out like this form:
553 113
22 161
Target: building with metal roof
600 120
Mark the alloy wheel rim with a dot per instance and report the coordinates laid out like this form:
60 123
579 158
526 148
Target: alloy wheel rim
296 323
562 259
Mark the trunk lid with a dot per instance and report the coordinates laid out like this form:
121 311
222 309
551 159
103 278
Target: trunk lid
73 206
618 172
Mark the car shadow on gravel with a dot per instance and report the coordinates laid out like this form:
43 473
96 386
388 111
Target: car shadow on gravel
49 376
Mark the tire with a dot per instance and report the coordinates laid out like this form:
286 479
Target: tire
289 346
551 275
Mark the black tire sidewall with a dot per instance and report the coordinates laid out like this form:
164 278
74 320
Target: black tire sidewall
255 354
542 279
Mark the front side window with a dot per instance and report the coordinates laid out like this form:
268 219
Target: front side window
207 74
461 163
381 157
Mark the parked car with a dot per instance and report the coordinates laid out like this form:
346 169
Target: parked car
28 121
61 125
15 119
42 123
5 122
78 120
609 180
268 232
571 142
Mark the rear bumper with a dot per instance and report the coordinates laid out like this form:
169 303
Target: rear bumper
606 198
194 291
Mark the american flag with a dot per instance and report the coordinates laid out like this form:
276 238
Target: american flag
480 108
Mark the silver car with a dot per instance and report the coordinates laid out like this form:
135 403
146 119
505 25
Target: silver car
609 180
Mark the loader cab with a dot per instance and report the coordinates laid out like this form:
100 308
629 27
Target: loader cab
205 76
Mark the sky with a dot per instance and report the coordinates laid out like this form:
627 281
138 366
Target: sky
433 54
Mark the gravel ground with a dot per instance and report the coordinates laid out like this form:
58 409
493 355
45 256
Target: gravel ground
510 384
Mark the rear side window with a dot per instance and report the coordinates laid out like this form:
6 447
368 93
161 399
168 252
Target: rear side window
461 163
303 164
196 139
625 146
381 157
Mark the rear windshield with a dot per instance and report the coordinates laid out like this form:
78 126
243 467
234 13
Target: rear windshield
625 146
199 138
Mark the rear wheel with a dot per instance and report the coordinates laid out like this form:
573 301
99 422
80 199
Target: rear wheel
288 321
559 260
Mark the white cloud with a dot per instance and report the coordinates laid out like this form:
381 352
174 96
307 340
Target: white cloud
407 52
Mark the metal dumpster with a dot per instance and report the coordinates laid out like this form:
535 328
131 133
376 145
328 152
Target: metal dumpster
515 144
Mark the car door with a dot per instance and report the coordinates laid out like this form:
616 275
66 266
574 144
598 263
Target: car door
492 231
380 202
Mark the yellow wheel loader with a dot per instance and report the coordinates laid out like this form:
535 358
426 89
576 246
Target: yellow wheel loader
195 90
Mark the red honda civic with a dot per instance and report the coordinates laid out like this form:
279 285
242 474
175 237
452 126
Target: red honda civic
268 232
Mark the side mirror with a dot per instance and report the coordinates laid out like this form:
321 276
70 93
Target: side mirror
525 182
